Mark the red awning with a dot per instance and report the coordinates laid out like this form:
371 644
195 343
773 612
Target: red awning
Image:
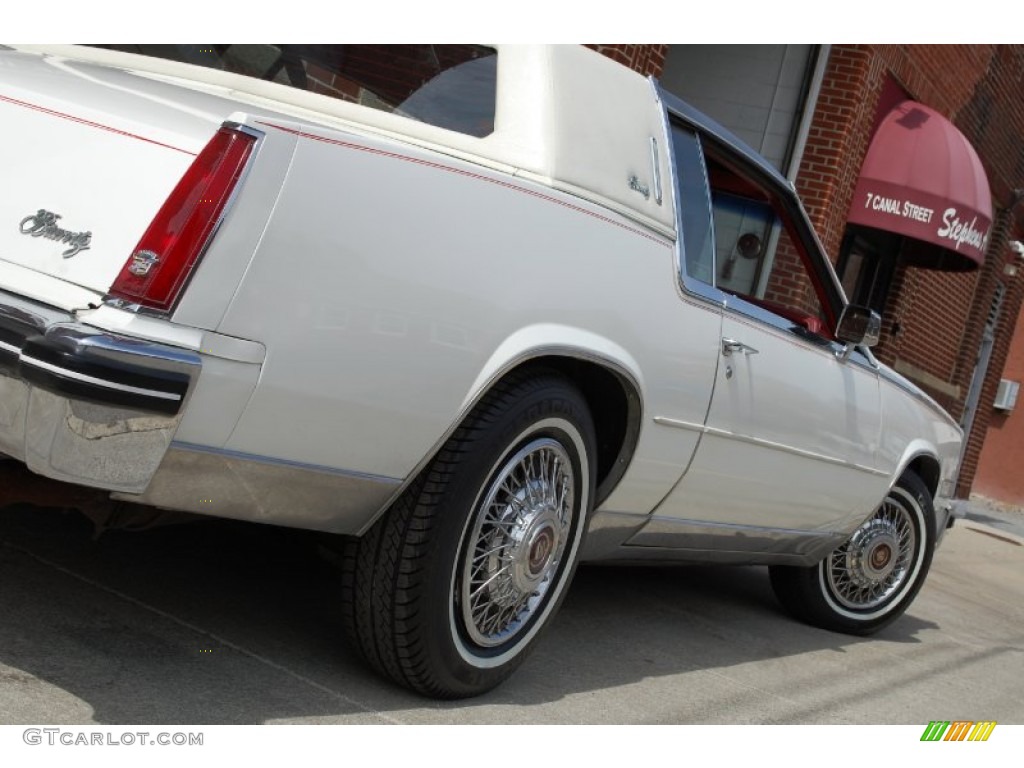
922 178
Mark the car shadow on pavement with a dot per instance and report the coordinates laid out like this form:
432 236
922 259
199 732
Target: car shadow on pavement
229 623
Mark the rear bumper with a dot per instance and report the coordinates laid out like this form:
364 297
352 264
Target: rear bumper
83 405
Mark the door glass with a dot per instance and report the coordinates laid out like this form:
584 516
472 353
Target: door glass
757 257
743 227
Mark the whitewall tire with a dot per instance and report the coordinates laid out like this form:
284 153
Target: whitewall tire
453 586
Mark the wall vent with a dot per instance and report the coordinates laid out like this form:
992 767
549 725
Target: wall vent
1006 395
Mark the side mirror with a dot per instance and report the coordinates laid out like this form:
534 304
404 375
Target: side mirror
859 326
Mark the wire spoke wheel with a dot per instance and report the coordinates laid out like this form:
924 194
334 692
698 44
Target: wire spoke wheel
516 543
869 568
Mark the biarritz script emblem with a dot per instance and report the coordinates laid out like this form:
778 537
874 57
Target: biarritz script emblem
43 223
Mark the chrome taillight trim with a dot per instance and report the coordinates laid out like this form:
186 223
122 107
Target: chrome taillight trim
141 309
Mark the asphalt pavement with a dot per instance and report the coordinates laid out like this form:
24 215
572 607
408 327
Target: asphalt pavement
229 623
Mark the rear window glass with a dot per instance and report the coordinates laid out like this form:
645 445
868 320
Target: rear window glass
450 86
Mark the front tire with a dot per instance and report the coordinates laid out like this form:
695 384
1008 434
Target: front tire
449 591
869 581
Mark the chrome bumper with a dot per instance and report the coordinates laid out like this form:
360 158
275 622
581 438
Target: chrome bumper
83 405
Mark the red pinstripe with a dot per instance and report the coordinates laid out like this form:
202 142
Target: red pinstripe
91 124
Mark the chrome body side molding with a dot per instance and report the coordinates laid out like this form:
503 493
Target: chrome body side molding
664 538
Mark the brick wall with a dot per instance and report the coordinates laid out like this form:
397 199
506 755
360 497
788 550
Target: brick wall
645 59
999 473
838 141
993 119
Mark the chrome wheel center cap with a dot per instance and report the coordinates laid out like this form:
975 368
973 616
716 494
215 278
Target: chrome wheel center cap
533 552
873 558
881 556
539 551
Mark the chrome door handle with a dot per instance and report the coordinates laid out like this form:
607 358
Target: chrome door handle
731 345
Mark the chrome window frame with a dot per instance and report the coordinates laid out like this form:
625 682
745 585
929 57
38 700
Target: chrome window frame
791 206
690 286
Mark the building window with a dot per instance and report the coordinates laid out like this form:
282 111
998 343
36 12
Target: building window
867 263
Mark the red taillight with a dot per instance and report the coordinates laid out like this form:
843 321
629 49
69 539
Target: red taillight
162 261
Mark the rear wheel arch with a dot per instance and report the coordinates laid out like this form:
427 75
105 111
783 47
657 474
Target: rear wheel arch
613 398
612 395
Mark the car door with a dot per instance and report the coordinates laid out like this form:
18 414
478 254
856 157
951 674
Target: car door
791 437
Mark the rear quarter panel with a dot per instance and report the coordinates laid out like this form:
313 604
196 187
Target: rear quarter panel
390 282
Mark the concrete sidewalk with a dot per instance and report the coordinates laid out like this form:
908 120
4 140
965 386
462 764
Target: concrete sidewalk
1003 517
